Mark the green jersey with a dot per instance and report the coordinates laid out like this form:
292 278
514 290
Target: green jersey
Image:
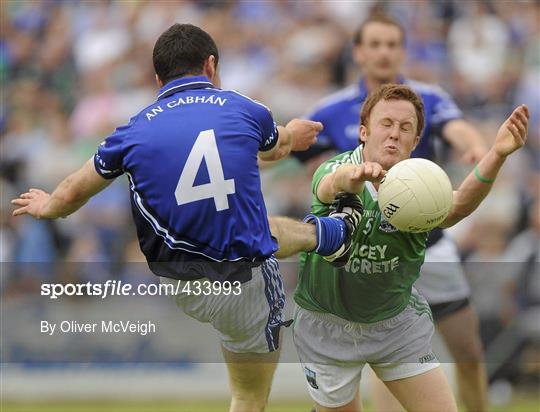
377 282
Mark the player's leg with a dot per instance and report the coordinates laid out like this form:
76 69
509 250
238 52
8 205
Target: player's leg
444 284
330 236
327 347
383 400
402 357
292 236
353 406
466 349
325 235
250 378
426 392
248 324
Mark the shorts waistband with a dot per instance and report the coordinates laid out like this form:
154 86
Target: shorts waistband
330 317
216 271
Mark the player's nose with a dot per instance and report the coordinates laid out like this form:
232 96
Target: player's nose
394 132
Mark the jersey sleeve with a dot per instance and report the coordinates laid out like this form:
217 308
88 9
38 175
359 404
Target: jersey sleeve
444 109
109 156
267 125
324 169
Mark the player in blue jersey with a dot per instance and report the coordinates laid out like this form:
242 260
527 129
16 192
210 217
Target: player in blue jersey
191 159
379 51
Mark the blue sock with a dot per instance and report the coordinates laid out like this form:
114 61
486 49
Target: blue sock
330 233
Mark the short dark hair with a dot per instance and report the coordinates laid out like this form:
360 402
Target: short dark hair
394 92
378 18
182 50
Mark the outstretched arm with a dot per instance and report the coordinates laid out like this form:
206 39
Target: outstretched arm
298 135
68 197
510 137
348 178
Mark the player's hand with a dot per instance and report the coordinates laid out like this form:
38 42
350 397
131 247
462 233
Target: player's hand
304 133
353 176
368 172
513 133
474 154
31 203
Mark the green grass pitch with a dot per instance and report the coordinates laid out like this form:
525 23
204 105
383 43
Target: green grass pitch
522 404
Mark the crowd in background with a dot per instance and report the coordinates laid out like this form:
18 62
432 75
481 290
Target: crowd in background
72 71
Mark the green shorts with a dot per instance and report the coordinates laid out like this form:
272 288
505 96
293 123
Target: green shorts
333 350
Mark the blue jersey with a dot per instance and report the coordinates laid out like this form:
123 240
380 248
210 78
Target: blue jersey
191 160
340 115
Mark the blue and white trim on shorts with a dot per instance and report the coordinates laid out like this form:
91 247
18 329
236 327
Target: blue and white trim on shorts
275 297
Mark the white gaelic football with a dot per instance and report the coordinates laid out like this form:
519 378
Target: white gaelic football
415 195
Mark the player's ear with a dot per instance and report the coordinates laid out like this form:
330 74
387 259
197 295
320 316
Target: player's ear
362 134
210 68
416 141
159 82
216 81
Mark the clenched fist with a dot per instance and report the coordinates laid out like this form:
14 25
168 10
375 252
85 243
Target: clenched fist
304 133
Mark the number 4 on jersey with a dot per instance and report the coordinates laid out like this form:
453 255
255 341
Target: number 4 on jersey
205 147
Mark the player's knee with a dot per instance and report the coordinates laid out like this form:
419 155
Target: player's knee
468 349
470 353
251 393
250 377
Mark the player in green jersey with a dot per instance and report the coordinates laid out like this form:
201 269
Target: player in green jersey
369 312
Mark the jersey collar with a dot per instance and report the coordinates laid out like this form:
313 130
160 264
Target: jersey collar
356 155
184 83
363 88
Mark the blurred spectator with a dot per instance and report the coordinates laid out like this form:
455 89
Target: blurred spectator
479 44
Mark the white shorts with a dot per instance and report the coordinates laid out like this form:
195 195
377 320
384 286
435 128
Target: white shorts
248 322
442 278
333 351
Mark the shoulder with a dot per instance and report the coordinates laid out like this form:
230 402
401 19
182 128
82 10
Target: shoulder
332 164
243 100
343 96
148 114
323 170
337 101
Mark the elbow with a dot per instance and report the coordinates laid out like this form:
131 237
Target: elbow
464 211
454 217
278 154
275 156
281 152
